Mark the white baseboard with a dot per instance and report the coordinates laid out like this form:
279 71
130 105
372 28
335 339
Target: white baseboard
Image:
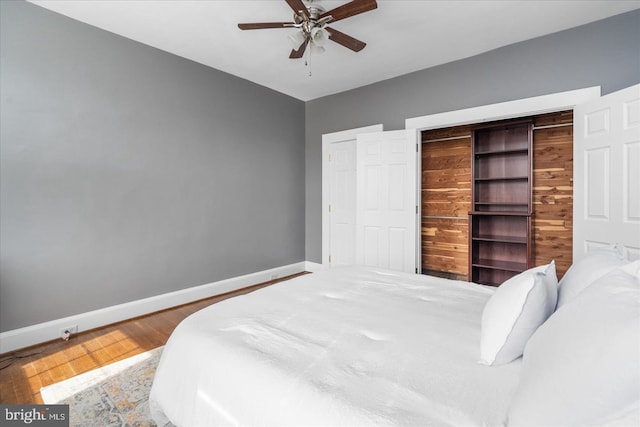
314 266
47 331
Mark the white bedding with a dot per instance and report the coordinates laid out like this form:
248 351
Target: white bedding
347 346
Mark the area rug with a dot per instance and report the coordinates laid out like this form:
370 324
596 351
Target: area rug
114 395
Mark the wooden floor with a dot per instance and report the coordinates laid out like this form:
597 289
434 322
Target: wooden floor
25 371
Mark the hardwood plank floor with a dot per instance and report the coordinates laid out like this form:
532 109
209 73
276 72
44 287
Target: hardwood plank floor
24 372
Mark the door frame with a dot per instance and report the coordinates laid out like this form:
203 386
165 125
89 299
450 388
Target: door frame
327 140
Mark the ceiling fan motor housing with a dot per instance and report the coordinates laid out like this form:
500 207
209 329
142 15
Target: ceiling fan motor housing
312 21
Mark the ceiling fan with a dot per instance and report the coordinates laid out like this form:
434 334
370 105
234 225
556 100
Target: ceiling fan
311 20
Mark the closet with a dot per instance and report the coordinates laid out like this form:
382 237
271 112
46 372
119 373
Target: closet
523 198
446 186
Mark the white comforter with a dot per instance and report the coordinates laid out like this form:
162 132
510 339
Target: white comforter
345 347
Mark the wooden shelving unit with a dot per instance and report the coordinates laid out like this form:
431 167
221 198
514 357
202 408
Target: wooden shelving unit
500 219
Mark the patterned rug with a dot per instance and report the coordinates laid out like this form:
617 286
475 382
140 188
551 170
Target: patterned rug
114 395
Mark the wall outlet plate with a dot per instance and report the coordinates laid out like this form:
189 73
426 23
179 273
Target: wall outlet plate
70 330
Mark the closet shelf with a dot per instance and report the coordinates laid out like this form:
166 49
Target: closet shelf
503 178
502 213
501 152
501 239
500 203
500 265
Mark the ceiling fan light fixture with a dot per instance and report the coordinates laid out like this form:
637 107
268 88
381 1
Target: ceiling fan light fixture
318 36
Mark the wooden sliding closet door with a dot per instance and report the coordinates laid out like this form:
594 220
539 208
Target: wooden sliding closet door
446 201
553 189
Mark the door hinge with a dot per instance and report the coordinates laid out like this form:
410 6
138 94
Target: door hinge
329 259
329 208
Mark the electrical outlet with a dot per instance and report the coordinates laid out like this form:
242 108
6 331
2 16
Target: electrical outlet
66 332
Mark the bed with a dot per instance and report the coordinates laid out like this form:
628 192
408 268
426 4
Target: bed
364 346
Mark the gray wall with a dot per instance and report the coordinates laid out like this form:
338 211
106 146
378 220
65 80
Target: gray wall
128 172
605 53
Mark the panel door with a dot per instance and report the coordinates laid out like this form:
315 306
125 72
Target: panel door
339 194
387 210
342 207
606 173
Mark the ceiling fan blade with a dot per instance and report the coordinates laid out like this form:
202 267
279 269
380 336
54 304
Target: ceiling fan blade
262 25
352 8
345 40
298 7
297 53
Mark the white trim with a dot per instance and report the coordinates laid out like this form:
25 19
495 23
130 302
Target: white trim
42 332
327 139
313 267
505 110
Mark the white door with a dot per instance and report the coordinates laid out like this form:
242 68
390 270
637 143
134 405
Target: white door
339 195
342 207
607 173
387 211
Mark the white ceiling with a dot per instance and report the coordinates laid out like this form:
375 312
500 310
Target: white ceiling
401 36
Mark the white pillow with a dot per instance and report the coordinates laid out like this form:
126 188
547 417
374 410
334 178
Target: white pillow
581 274
582 367
633 268
517 308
